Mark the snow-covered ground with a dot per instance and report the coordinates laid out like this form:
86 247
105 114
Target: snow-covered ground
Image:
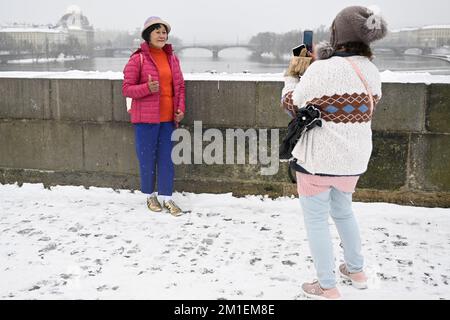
386 76
74 243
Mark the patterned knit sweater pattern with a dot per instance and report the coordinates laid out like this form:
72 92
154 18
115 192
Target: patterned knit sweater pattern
343 145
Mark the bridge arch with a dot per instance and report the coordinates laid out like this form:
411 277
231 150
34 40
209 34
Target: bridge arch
215 49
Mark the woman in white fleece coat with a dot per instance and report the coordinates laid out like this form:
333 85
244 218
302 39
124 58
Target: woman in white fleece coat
345 85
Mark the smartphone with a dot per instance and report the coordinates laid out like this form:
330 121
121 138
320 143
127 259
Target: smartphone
308 39
297 50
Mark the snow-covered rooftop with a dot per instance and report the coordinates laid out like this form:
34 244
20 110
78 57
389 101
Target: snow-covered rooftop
404 30
73 9
28 30
437 27
421 28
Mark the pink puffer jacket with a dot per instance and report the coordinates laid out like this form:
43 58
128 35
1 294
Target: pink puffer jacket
145 106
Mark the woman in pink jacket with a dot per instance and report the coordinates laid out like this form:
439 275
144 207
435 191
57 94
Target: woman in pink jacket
154 80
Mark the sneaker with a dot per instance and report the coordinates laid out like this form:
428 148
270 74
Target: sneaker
315 291
153 204
172 208
358 279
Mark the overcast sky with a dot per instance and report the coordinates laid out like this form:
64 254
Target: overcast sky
225 20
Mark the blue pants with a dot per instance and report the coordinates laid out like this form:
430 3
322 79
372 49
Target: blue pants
316 211
154 152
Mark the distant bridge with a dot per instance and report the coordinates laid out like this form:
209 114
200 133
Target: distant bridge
215 49
110 52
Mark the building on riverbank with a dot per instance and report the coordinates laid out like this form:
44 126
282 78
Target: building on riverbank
73 30
434 36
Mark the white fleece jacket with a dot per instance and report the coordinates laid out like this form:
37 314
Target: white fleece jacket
343 145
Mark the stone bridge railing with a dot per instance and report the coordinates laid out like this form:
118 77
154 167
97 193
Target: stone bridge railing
77 132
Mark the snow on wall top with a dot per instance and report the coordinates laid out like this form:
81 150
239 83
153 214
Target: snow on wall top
386 76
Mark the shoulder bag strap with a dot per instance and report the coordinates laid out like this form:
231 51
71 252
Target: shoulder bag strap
364 81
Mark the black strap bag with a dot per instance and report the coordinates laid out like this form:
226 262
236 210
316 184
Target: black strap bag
305 119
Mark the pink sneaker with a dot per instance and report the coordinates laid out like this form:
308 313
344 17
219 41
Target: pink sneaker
314 291
359 279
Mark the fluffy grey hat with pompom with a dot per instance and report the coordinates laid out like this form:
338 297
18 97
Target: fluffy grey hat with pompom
353 24
357 24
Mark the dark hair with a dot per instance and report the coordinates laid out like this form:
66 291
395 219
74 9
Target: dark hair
359 48
146 32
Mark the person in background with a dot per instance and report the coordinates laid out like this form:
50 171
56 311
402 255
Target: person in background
345 85
154 80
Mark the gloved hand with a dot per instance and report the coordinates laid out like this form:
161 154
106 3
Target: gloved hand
298 65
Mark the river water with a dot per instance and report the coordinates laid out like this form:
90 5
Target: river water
231 61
